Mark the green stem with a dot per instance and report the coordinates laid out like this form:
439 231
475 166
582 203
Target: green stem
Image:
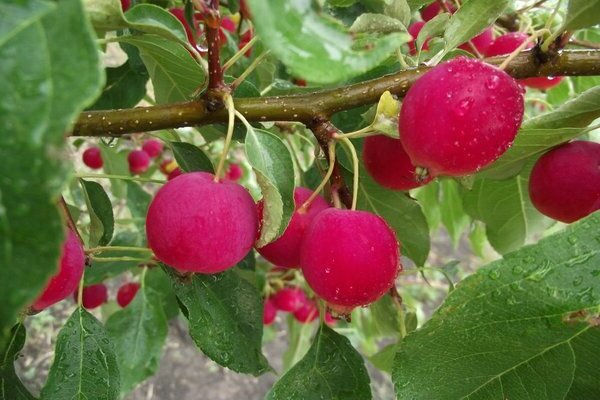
231 112
239 54
80 290
363 132
248 70
111 259
355 167
122 177
100 249
331 151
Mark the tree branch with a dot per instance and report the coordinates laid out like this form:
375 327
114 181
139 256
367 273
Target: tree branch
306 107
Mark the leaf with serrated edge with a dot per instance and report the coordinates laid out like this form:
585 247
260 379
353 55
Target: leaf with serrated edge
174 73
38 106
514 329
139 332
315 48
332 369
272 163
85 365
225 319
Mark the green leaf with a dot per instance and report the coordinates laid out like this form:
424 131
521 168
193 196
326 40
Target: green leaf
85 365
125 87
299 341
174 73
472 18
138 201
332 369
159 282
581 14
11 387
115 163
451 209
385 316
225 319
105 15
39 104
515 329
428 197
139 332
272 163
546 131
190 158
376 23
102 221
504 206
383 360
101 271
315 48
403 215
149 18
432 28
398 9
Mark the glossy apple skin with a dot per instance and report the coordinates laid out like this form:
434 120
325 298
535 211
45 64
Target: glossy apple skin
349 258
70 270
127 293
388 164
93 296
92 158
565 182
285 251
195 224
509 42
460 117
139 161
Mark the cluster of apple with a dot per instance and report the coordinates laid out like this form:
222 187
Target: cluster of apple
66 281
94 296
484 43
295 301
138 160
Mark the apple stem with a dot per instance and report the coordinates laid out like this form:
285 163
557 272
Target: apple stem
237 82
231 112
331 151
124 258
80 289
239 54
363 132
355 168
101 249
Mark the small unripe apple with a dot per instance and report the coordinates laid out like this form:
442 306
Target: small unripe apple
65 281
565 182
92 296
127 293
139 161
349 258
285 251
92 157
195 224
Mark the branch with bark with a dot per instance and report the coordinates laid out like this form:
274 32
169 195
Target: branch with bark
306 108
